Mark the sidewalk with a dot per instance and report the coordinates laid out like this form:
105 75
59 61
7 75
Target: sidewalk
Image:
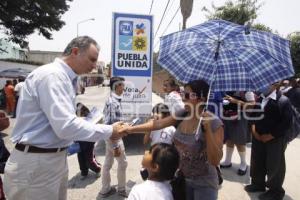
232 188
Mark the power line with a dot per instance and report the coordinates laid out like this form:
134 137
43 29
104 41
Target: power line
171 21
170 6
162 18
151 7
168 26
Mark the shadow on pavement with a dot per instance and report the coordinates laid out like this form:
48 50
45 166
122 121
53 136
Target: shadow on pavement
112 197
254 196
77 182
287 197
230 174
115 196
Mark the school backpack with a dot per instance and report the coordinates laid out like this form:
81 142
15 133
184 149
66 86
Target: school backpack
293 131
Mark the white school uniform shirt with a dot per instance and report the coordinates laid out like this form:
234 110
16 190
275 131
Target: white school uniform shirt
265 100
151 190
163 135
174 102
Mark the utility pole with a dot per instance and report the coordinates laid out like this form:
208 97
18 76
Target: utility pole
186 11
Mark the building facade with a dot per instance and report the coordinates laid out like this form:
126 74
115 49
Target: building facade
11 51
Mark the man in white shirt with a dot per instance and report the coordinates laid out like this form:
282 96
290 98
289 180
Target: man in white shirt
47 124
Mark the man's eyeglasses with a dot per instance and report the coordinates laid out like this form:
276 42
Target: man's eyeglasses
188 95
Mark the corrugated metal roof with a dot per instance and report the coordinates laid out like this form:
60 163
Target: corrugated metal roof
4 65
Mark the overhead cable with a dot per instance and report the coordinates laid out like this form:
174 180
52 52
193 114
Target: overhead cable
168 26
151 7
162 18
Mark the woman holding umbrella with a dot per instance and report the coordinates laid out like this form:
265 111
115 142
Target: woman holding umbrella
198 158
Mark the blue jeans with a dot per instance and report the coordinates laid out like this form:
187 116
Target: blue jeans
195 192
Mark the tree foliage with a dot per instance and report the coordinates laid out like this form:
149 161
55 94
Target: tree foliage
20 18
240 12
262 27
295 51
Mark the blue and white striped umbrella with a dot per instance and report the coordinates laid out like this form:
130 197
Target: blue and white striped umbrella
222 54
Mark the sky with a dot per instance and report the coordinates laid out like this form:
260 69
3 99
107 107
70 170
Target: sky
280 15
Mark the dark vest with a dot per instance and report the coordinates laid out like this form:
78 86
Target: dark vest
274 121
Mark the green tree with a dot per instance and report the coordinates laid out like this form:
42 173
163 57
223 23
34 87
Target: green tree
20 18
240 12
262 27
295 51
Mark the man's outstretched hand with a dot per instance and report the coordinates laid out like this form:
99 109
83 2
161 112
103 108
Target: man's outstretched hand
119 130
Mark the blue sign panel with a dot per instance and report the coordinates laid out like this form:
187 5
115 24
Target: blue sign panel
132 45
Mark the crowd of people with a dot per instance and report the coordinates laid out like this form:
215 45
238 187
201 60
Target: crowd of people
186 137
10 95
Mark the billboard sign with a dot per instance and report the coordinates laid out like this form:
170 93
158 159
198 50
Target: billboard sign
132 59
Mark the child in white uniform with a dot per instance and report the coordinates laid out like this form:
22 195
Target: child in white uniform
161 163
164 135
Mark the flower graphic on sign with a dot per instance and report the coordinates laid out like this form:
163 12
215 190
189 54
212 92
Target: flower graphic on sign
140 29
139 43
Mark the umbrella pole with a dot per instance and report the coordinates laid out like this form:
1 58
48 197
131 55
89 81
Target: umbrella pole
198 135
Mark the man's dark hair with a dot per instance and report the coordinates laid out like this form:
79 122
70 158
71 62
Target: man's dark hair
114 81
81 42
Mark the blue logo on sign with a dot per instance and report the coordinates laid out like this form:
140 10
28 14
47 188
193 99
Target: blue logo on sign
126 28
125 42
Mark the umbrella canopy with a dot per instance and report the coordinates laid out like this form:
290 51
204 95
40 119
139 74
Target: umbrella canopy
226 56
15 73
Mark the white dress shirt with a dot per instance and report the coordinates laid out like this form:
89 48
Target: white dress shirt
46 110
265 100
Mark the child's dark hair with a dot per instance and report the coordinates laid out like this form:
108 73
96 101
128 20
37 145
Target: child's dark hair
161 108
114 81
167 158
